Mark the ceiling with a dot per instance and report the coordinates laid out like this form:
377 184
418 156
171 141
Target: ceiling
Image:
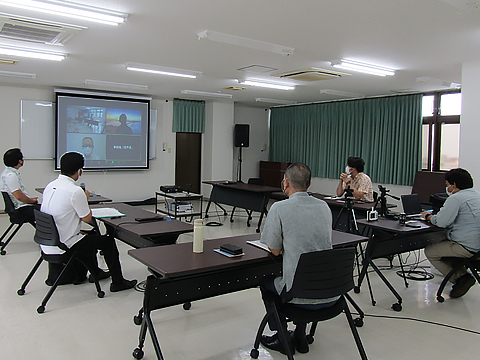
426 41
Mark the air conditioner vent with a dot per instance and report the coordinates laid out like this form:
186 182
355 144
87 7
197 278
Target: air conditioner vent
312 74
26 33
34 30
234 88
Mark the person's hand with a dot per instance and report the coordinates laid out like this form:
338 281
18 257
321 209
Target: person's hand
345 177
425 214
34 200
87 193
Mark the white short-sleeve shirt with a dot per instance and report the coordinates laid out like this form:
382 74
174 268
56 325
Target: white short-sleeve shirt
11 181
67 203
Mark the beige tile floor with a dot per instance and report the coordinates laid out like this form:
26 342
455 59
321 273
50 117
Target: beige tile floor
78 325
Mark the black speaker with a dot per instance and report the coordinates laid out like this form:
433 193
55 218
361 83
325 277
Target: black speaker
242 135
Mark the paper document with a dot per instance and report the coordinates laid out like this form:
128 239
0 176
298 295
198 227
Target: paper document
258 244
106 213
334 197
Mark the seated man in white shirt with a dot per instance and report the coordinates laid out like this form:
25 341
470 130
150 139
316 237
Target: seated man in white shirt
68 205
11 183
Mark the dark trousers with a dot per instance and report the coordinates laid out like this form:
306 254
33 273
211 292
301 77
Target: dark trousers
267 285
87 250
26 212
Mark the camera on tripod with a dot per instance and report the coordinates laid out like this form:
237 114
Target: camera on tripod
348 192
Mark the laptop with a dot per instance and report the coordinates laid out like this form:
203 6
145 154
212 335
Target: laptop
412 206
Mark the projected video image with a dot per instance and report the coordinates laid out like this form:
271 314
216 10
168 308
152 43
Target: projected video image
112 133
92 146
124 122
86 119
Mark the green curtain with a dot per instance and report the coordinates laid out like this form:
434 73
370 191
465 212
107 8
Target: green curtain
386 132
188 116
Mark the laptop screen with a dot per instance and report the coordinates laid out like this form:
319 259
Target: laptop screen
411 204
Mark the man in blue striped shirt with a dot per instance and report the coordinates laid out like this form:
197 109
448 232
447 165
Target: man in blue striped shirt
460 215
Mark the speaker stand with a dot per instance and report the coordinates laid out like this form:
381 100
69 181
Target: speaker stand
239 169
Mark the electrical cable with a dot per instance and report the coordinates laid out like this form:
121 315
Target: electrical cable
140 287
421 321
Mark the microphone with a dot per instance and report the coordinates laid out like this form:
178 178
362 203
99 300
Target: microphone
82 185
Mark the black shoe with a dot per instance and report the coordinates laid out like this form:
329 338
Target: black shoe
300 343
100 276
273 343
124 285
462 285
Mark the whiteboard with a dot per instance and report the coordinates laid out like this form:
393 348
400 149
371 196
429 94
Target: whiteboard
37 129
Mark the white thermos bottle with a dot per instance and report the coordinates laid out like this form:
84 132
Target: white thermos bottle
198 236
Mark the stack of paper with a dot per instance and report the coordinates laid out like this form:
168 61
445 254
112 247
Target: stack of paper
106 213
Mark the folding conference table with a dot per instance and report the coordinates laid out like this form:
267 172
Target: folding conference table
142 234
387 238
180 276
244 196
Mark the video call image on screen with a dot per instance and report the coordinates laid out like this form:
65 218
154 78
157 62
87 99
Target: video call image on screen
110 133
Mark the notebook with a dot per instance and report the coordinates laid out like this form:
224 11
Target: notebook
411 205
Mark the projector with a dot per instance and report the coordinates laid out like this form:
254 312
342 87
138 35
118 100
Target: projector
168 189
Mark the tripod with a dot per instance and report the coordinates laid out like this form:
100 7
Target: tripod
382 199
352 228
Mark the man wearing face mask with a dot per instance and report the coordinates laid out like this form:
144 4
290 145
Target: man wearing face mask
68 205
460 215
11 183
87 149
356 179
297 225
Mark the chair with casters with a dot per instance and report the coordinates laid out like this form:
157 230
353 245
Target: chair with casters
16 218
251 181
46 233
472 263
319 275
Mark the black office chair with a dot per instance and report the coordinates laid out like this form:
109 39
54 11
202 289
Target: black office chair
47 234
319 275
251 181
472 263
16 218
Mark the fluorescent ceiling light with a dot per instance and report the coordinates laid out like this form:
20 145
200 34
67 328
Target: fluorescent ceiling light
339 93
71 10
245 42
209 94
20 75
33 54
161 70
267 84
275 101
362 67
115 85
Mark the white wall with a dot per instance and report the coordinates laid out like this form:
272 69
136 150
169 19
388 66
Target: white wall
470 120
257 118
217 143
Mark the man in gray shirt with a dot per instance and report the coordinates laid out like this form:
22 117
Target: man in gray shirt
298 225
460 215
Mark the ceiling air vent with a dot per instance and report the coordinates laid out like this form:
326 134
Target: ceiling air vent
31 30
234 88
312 74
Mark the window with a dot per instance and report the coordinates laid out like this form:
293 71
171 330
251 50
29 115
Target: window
441 130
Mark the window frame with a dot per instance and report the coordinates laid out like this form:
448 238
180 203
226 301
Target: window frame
435 129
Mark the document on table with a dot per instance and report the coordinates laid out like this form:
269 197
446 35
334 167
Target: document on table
258 244
106 213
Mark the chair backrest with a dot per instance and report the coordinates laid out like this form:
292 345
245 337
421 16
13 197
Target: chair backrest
46 232
9 207
256 181
323 274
